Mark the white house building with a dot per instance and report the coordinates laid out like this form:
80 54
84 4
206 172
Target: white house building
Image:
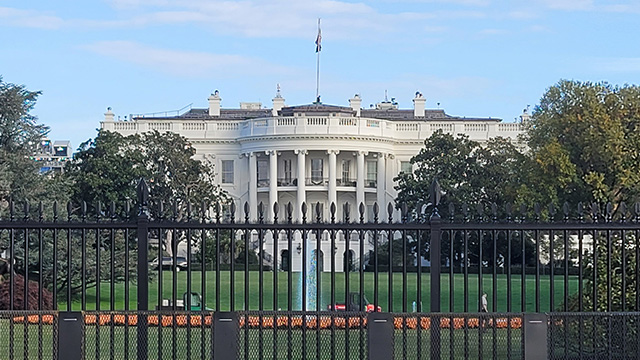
313 153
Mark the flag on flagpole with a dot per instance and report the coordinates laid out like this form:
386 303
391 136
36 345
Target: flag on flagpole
319 38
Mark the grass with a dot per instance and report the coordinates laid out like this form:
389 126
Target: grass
398 292
106 342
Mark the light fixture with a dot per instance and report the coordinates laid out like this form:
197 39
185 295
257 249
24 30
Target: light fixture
299 249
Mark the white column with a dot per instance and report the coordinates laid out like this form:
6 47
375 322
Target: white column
332 196
360 177
253 187
273 180
381 183
302 195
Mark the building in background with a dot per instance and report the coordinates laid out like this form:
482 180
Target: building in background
314 154
52 156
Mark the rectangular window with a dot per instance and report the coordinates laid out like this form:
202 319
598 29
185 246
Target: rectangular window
372 173
287 172
316 171
405 167
263 171
227 171
346 172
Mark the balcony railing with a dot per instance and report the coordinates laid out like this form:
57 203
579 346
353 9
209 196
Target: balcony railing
316 181
346 182
311 181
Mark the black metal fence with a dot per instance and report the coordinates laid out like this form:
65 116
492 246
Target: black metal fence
306 282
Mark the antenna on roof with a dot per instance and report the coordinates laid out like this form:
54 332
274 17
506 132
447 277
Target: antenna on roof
385 96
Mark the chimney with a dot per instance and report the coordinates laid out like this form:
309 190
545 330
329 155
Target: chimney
525 117
356 104
109 115
278 102
418 105
214 104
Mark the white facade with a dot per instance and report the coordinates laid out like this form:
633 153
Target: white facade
311 153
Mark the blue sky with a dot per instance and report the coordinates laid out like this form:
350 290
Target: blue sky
474 57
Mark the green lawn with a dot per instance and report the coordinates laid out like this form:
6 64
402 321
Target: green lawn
106 342
354 285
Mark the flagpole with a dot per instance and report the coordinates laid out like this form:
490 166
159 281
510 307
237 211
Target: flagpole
318 49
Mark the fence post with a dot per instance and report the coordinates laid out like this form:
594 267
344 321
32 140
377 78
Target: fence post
535 336
225 335
435 270
380 336
70 335
143 269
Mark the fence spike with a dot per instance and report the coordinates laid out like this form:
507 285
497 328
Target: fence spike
232 209
376 211
347 211
333 209
404 210
84 210
26 210
508 208
69 210
636 209
112 210
40 211
12 210
537 210
203 211
246 211
361 209
480 210
304 212
523 212
594 211
261 213
552 212
465 212
318 213
218 211
623 211
55 210
609 210
565 211
276 207
174 210
143 196
289 212
98 210
452 211
390 212
436 193
189 211
127 208
494 211
581 212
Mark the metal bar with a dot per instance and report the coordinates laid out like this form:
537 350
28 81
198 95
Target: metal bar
535 329
551 270
380 336
70 335
225 338
436 263
143 272
537 299
494 265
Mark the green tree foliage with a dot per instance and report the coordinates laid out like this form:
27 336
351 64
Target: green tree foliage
585 141
107 168
467 172
20 132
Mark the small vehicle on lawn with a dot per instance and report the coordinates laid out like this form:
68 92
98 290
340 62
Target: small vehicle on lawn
167 263
354 304
196 303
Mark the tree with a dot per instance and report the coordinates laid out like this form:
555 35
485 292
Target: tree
19 134
107 168
584 139
468 172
